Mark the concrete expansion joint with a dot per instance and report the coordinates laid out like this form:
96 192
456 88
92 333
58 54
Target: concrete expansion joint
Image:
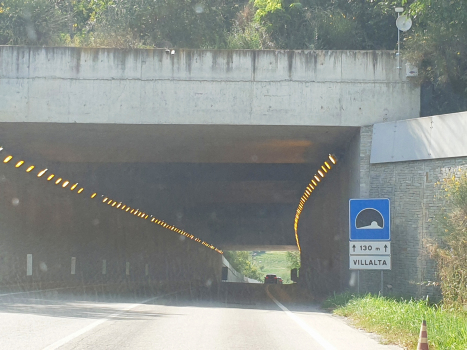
210 80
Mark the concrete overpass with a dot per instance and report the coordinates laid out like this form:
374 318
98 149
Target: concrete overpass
220 144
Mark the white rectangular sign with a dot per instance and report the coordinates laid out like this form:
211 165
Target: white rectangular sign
369 247
29 265
370 262
73 265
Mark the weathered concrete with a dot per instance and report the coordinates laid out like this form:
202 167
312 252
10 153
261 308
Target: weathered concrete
76 85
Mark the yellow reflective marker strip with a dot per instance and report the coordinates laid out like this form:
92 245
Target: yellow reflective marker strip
113 203
307 193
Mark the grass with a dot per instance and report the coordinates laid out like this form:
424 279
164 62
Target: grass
273 263
398 321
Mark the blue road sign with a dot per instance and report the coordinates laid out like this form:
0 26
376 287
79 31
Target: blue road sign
369 219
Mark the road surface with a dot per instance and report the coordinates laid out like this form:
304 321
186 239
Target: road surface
65 320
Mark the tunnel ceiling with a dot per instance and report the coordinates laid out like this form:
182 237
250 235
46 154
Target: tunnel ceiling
174 143
230 185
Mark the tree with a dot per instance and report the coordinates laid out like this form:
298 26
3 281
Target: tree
118 23
333 25
80 16
246 33
30 22
168 23
294 260
438 44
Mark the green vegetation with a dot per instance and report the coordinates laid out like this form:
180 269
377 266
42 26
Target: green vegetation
398 321
294 260
118 23
450 249
437 43
321 24
243 263
277 263
29 22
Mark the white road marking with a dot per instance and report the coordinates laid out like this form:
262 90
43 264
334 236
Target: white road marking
314 334
76 334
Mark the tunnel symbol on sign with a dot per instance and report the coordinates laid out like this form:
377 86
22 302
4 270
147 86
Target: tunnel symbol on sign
369 219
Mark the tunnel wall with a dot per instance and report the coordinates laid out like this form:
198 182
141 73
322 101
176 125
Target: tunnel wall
323 226
55 224
241 87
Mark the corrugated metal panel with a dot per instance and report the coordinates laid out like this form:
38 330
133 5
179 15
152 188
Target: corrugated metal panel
441 136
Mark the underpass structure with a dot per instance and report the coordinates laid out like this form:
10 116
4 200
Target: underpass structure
219 144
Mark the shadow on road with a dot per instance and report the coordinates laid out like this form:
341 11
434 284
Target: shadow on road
100 303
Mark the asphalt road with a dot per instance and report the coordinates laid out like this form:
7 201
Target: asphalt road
63 320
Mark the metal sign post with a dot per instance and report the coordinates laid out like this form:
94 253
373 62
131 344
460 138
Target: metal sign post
382 284
358 281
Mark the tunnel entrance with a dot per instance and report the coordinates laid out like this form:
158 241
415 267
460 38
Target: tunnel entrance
232 186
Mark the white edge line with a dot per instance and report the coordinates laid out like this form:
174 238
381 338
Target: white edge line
314 334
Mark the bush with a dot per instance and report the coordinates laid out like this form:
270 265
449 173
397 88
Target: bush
398 320
294 260
450 249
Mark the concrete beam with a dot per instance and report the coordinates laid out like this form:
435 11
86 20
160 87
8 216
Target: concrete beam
78 85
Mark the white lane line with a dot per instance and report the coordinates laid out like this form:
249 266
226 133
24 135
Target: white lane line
76 334
314 334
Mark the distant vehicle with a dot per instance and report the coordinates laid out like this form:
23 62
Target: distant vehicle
279 280
271 279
